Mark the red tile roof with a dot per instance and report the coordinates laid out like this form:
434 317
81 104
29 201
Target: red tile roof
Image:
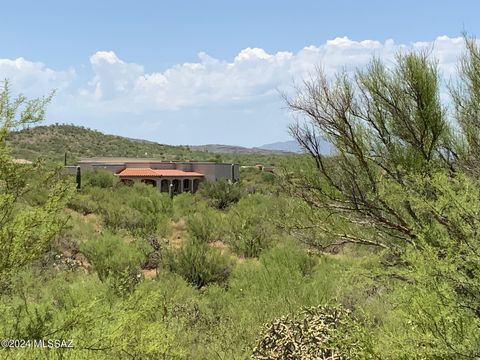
148 172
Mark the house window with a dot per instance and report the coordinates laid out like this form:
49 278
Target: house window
186 185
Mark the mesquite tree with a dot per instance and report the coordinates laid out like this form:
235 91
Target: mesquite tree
386 124
403 177
25 228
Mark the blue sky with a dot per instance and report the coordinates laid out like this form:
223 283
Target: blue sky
196 72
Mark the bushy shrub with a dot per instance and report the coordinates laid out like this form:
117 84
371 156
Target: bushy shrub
248 235
199 264
203 226
99 178
83 203
279 272
248 226
185 204
140 325
221 194
112 257
257 181
139 209
290 256
405 178
140 223
283 280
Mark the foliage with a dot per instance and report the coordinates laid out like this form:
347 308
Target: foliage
248 226
402 181
466 99
139 209
142 330
279 274
56 140
83 203
112 257
220 194
99 178
442 269
26 229
390 123
203 226
254 180
282 281
199 264
185 204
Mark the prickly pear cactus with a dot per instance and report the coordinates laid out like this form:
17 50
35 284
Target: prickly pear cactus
317 333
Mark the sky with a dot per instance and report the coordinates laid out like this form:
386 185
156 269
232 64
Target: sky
208 72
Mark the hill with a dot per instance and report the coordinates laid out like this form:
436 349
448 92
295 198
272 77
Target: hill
53 141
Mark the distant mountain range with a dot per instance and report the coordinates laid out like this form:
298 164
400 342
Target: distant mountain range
293 147
281 147
289 146
233 149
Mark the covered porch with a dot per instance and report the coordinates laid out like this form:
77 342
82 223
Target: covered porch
181 181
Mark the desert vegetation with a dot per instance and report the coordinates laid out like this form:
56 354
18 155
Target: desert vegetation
368 253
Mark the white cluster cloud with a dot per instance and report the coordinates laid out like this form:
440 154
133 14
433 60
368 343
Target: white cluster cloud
34 78
253 76
220 100
113 77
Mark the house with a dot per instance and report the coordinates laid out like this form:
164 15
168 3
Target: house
184 176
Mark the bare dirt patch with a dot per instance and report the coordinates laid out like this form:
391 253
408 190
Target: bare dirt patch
177 238
149 274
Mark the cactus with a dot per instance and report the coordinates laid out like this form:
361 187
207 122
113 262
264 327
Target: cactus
317 333
79 178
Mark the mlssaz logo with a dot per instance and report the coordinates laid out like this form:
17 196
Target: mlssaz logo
53 343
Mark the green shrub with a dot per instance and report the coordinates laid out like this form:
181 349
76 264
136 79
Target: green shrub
248 235
279 274
282 281
199 264
248 226
203 226
83 203
221 194
140 325
186 204
139 209
99 178
112 257
257 181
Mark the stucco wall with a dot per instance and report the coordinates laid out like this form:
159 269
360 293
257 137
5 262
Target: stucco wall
215 172
212 171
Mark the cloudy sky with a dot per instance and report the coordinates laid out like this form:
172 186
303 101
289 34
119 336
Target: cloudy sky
198 72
